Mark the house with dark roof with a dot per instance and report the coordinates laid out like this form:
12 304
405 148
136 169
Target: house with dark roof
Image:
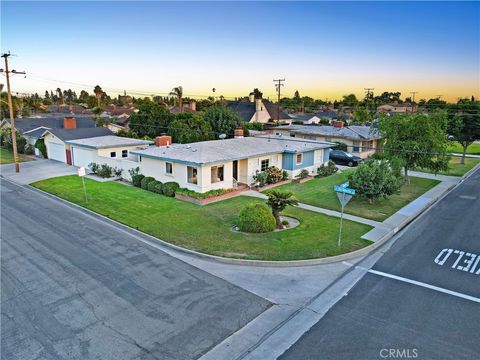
258 110
56 140
362 141
304 119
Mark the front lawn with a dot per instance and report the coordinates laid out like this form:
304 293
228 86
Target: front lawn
6 156
473 149
455 168
319 192
208 228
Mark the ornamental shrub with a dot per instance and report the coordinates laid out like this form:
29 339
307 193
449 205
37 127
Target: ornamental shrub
327 170
158 188
144 182
105 171
260 178
274 175
40 145
137 180
152 185
169 188
94 167
303 174
256 218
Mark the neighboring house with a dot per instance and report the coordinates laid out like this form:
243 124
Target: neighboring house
326 114
222 164
56 141
258 110
396 108
188 106
109 149
305 119
361 141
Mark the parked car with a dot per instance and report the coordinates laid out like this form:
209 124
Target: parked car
344 158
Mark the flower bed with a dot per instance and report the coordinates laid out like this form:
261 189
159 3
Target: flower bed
207 197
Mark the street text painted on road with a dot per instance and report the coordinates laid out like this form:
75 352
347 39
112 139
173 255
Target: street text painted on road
459 260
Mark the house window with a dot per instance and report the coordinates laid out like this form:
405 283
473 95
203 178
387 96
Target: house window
124 153
216 174
192 173
299 158
168 168
265 164
113 154
356 146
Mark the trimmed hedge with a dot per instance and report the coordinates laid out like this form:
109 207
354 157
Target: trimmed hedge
205 195
169 188
145 181
256 218
158 187
137 180
152 185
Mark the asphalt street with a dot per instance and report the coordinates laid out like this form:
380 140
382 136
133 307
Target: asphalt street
428 309
74 287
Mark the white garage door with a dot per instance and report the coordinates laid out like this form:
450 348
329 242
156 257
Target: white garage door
82 156
56 152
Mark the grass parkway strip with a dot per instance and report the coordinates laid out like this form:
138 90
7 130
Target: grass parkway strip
208 228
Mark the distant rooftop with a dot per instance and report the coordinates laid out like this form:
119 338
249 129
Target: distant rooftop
107 141
73 134
217 151
354 132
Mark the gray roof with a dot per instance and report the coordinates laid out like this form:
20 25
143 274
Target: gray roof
247 109
50 122
107 141
217 151
73 134
353 132
326 114
302 117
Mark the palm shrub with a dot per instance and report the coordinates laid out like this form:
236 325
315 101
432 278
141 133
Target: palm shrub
278 201
255 218
144 182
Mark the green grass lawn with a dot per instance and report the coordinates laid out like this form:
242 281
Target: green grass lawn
455 168
473 149
6 156
319 192
207 228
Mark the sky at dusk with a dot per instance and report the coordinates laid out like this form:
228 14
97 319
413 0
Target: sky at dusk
322 49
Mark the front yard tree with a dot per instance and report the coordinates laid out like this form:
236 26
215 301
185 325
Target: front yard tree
151 120
278 201
465 124
188 128
419 140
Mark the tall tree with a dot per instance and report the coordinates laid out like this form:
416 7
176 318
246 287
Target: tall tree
222 120
151 119
188 128
98 93
278 201
177 93
350 100
419 140
464 125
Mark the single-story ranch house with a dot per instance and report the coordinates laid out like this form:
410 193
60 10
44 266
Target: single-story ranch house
362 141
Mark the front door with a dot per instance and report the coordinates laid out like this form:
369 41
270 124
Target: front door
235 169
69 156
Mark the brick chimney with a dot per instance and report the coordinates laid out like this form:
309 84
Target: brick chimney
69 123
238 133
338 124
163 140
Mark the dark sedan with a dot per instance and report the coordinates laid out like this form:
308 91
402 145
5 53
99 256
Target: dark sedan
344 158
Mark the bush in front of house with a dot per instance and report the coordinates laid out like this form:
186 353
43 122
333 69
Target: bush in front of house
325 121
137 180
40 145
158 188
152 185
145 181
327 170
205 195
274 175
93 167
169 188
105 171
260 178
256 218
303 174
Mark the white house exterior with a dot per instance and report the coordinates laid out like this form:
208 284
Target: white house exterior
222 164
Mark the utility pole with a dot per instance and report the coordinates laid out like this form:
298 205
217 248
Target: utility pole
278 86
413 99
10 106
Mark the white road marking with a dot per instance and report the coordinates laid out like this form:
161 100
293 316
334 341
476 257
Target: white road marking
467 263
425 285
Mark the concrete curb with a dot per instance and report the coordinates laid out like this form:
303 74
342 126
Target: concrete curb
268 263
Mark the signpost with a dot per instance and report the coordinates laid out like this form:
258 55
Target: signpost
81 172
344 194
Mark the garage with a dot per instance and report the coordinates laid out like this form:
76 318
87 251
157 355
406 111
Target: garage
56 151
82 156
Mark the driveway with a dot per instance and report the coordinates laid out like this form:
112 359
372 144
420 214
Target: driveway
74 286
36 170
